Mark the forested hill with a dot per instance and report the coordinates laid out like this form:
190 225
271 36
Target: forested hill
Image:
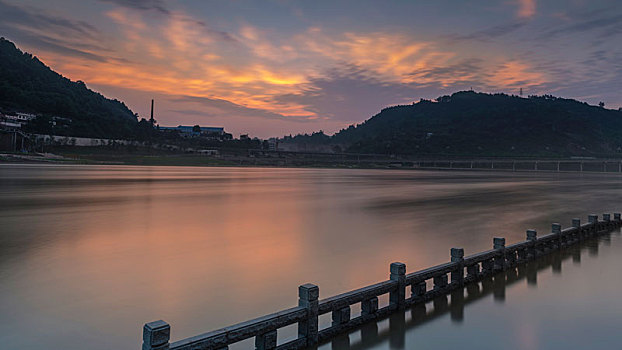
470 123
28 85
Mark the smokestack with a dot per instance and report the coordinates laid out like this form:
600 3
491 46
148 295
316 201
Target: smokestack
151 120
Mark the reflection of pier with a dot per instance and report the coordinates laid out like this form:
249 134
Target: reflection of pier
481 274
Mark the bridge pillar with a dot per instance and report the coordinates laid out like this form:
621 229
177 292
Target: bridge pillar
308 295
156 335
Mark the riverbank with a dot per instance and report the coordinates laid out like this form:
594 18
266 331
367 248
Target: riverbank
150 157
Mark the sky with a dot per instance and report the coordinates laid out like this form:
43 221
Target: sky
276 67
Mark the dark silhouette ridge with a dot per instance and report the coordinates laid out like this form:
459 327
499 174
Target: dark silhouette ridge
479 124
28 85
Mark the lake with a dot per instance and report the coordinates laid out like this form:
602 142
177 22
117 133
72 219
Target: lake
88 254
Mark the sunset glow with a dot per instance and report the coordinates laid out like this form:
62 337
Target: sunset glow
283 68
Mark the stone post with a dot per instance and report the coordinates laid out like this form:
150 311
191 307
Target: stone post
557 229
498 243
398 273
266 341
593 219
156 335
457 256
308 295
576 223
532 237
607 219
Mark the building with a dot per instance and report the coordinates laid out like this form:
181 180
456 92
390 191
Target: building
15 121
186 130
273 144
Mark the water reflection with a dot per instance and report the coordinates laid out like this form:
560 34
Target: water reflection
454 305
90 253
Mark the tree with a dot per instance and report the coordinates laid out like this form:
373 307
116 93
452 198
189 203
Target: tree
601 104
196 128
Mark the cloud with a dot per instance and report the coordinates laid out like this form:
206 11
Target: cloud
24 17
350 93
526 8
607 26
490 33
212 107
145 5
49 33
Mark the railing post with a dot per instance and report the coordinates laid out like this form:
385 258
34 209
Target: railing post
156 335
593 219
398 273
498 243
532 237
457 256
308 295
576 223
557 230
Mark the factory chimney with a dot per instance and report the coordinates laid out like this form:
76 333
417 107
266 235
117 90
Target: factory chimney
152 121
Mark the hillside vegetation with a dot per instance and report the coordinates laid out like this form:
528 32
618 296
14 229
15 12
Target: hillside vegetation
28 85
470 123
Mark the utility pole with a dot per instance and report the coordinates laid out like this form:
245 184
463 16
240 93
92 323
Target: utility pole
521 92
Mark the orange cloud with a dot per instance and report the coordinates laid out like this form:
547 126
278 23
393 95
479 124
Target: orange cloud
526 8
181 56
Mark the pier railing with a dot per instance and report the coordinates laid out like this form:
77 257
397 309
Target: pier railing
442 279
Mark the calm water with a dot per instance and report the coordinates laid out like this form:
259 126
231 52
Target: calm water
88 254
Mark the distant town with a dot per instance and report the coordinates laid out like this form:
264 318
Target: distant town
15 136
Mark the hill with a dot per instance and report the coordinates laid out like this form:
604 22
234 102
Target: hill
28 85
471 124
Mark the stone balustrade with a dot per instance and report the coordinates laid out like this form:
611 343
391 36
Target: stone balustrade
460 271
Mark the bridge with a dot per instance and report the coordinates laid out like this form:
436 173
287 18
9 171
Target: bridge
444 279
